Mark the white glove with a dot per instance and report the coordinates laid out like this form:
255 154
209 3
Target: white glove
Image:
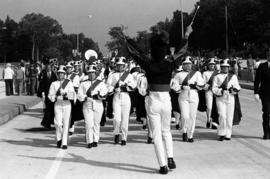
117 90
88 99
62 92
43 95
59 97
186 87
121 83
225 92
206 87
257 98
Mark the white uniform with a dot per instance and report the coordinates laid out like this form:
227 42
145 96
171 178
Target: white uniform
208 93
225 103
92 109
75 80
121 102
62 109
142 86
188 100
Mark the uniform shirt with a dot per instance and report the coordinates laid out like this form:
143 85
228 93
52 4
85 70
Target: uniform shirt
219 79
75 81
142 84
206 76
69 90
101 89
180 77
114 78
8 73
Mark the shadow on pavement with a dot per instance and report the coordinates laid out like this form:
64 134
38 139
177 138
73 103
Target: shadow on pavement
42 143
119 166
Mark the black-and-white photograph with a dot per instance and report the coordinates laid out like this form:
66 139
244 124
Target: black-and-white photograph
121 89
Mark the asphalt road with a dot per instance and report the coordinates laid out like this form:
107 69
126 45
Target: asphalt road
27 151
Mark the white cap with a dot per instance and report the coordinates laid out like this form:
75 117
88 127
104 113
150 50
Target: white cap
69 64
61 69
77 63
121 61
212 61
225 63
91 68
187 60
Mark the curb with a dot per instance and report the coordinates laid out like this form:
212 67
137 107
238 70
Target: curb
12 106
246 86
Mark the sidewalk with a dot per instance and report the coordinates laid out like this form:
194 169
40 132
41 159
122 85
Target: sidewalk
12 106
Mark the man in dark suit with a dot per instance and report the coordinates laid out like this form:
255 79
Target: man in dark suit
261 91
46 77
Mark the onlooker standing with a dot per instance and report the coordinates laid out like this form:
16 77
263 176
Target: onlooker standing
19 76
250 65
33 72
8 75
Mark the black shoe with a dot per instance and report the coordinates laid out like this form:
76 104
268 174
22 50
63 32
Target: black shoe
116 139
144 127
123 142
95 144
46 126
227 138
214 127
102 123
171 163
70 133
163 170
177 126
90 145
139 120
191 140
59 143
185 139
149 140
265 137
208 125
221 138
64 147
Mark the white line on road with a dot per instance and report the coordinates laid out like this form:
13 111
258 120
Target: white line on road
55 166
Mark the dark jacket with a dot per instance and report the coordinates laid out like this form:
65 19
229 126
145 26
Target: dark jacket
262 81
45 82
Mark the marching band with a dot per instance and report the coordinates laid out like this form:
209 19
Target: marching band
163 89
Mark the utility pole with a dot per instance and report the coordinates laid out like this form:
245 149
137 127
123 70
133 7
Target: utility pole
226 23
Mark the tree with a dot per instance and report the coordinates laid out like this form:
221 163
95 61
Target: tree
41 29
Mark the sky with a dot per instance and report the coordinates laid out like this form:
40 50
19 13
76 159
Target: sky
138 15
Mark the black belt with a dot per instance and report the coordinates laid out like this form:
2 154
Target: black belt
159 87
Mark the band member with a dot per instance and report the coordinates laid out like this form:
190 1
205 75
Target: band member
92 92
120 83
189 82
61 92
261 91
76 110
174 99
208 77
46 78
142 87
158 73
225 86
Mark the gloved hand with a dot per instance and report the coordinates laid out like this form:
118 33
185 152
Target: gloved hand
206 87
59 97
257 98
185 87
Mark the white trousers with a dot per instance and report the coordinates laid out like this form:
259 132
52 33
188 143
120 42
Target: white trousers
188 101
62 110
225 107
209 104
159 113
121 111
92 112
150 133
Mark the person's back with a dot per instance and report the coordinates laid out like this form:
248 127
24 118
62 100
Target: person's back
8 73
19 74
